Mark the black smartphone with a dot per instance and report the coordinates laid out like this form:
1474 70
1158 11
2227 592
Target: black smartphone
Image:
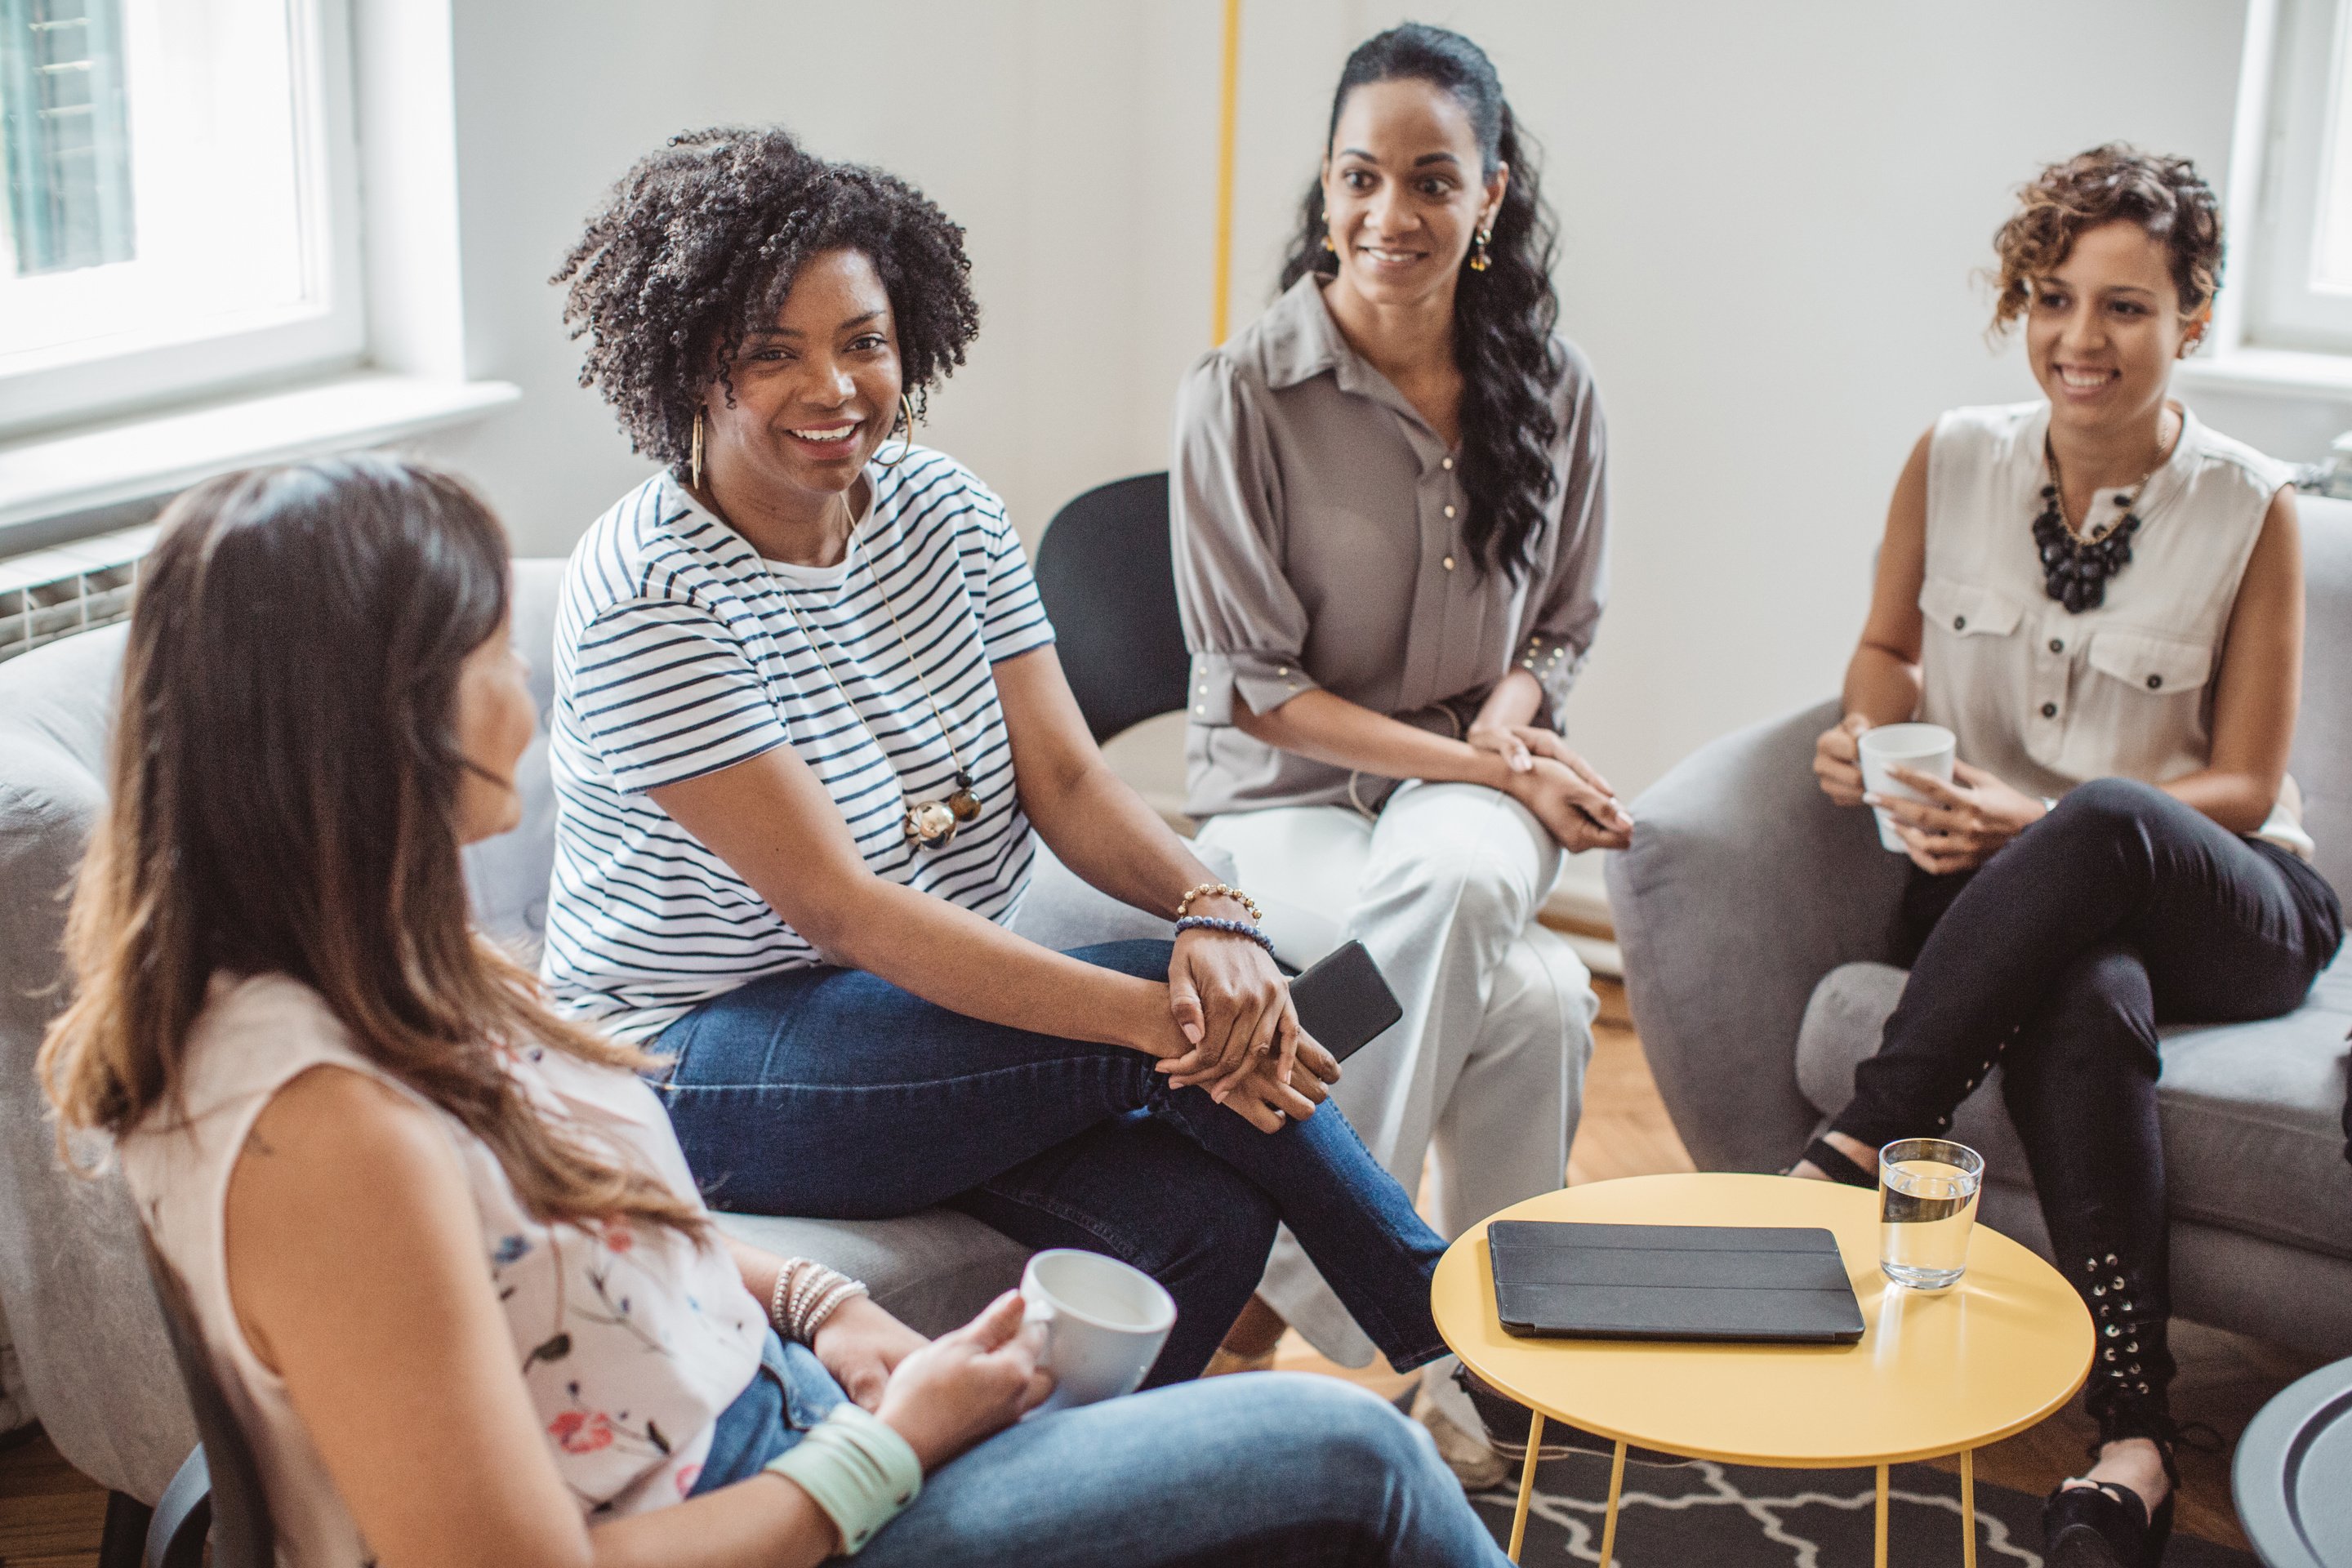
1343 1002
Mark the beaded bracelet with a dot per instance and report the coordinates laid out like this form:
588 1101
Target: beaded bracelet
1230 927
1217 890
807 1294
856 1469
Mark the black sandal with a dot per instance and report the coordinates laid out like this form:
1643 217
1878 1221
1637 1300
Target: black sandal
1838 1166
2106 1525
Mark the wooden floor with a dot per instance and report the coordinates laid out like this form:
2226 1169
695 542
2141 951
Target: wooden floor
51 1517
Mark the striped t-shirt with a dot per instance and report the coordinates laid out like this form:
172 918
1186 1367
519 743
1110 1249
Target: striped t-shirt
677 654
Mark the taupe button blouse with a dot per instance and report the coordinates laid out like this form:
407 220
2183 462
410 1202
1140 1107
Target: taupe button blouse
1318 538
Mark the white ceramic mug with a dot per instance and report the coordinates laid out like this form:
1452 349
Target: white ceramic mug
1105 1324
1922 748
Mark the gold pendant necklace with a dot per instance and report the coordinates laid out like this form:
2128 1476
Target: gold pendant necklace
930 824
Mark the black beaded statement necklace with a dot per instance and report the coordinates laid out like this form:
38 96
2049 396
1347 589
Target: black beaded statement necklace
2075 571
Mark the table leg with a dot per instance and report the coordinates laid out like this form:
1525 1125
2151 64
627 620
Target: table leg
1609 1523
1968 1508
1879 1548
1527 1483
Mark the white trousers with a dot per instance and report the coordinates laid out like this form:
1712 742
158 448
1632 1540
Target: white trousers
1483 1076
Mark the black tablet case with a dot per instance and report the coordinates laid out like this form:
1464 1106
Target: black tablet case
1566 1280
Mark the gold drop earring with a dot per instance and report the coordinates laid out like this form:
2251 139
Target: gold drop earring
1478 262
694 451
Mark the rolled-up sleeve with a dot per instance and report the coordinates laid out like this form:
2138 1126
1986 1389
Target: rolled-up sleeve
1567 609
1242 621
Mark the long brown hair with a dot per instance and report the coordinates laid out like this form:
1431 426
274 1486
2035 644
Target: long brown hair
283 799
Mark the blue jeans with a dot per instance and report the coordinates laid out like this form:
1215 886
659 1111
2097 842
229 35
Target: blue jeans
834 1094
1276 1468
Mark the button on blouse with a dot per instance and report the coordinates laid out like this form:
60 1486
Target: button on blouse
1317 535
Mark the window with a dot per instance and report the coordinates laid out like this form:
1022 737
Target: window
180 212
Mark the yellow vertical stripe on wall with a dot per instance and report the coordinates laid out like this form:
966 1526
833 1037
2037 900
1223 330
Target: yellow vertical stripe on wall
1221 291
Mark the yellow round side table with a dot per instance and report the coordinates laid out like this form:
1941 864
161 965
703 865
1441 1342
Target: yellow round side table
1933 1373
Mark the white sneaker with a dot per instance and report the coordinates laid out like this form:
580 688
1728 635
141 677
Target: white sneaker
1465 1452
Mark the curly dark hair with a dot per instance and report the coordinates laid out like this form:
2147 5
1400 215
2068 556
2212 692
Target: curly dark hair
2164 196
1503 317
698 244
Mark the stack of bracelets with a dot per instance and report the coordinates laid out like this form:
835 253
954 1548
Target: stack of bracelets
807 1294
854 1466
1186 920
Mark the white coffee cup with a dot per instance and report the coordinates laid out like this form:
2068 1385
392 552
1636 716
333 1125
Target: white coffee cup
1922 748
1104 1322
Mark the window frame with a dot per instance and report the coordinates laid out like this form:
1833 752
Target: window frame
2301 133
315 338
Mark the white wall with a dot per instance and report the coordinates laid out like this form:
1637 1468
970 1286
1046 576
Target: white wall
1773 211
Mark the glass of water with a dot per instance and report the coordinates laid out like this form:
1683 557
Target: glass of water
1926 1207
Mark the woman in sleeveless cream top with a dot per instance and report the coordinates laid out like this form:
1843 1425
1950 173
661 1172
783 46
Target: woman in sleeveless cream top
2103 600
442 1248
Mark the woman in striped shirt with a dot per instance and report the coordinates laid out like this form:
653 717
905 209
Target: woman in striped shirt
807 712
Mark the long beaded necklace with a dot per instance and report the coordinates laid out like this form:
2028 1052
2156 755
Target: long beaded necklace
931 824
2074 570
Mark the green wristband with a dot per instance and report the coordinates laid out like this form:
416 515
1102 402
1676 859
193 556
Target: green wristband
856 1469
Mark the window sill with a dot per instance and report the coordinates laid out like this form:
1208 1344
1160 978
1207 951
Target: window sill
58 474
2277 372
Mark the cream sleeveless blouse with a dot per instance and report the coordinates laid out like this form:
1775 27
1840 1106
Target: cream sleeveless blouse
2046 699
630 1342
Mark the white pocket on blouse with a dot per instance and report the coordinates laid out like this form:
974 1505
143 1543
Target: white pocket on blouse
2161 666
1968 611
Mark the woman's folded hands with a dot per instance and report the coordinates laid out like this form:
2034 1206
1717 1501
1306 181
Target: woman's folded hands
1571 800
1229 1028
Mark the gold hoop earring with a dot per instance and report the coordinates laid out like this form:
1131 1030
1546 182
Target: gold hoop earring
905 442
1478 249
694 452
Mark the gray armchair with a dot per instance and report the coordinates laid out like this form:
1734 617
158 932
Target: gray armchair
98 1368
1756 922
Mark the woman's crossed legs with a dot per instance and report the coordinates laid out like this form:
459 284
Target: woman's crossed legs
832 1093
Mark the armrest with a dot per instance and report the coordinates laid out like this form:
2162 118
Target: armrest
1743 886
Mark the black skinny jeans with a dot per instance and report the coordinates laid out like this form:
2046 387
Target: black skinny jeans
2056 959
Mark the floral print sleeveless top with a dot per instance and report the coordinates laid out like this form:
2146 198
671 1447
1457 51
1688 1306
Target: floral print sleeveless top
630 1340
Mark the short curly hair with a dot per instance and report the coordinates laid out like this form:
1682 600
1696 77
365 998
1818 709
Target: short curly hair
2164 196
697 246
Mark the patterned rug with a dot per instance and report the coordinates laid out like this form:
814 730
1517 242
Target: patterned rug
1731 1516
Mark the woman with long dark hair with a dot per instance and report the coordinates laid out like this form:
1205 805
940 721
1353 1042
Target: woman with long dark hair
441 1244
1390 531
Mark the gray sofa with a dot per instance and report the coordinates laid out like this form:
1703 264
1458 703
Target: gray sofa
96 1366
1756 921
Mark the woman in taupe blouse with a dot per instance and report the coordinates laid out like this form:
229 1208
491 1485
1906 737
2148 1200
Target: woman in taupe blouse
1391 521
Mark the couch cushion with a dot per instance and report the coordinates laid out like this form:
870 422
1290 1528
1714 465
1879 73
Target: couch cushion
90 1342
2321 760
935 1270
1842 1028
2252 1113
